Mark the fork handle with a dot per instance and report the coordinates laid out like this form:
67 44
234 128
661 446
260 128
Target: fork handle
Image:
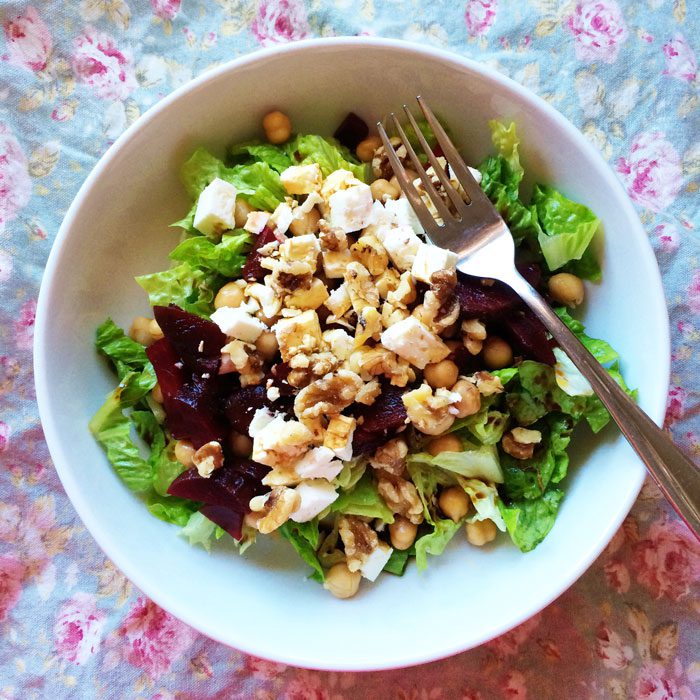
675 474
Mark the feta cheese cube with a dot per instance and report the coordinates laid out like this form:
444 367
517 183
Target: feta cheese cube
412 341
265 296
339 435
307 205
302 179
340 342
376 561
256 221
319 463
302 248
335 262
215 207
315 497
401 243
280 443
237 323
429 259
403 214
310 298
301 333
281 218
338 180
261 418
351 208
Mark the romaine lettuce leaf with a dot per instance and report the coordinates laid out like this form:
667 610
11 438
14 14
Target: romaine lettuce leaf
567 227
435 542
473 461
363 500
487 425
399 560
170 509
251 151
126 354
506 142
188 287
225 258
350 474
199 530
600 349
327 152
485 499
586 267
528 522
304 537
426 479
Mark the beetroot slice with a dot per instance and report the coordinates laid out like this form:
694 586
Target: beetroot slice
531 271
242 404
484 302
382 420
252 270
189 400
225 494
529 336
351 131
196 340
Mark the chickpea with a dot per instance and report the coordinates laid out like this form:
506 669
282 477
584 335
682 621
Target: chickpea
383 188
157 393
471 398
229 295
241 445
140 331
497 353
184 453
155 330
342 582
366 148
240 213
267 345
444 443
402 533
307 224
454 503
277 126
412 176
441 374
566 289
480 532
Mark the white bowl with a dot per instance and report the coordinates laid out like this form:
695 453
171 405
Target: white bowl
117 227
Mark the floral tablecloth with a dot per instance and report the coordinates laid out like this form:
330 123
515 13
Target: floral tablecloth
74 74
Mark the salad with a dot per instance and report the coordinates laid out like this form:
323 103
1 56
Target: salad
313 367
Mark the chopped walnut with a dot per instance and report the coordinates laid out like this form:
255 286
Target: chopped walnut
405 292
438 316
391 457
378 361
400 496
361 287
328 395
359 540
208 458
381 167
526 436
487 383
371 253
369 325
387 282
338 435
443 283
281 443
367 395
473 335
393 314
275 508
520 450
430 413
332 239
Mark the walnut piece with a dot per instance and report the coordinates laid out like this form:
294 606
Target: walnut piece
430 413
391 457
358 539
487 383
328 395
332 239
400 496
274 508
208 458
473 335
361 287
516 449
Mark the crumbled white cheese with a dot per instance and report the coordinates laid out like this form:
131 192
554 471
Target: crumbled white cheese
281 218
430 259
237 323
302 179
316 495
215 207
412 341
261 418
568 377
401 243
319 463
376 561
351 208
403 214
256 221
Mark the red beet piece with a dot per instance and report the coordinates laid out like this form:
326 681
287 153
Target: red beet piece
252 270
484 302
225 494
241 404
196 340
189 400
381 420
529 336
351 131
531 271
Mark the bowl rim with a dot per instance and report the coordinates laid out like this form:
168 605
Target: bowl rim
67 477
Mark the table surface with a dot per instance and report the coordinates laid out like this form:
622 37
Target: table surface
74 74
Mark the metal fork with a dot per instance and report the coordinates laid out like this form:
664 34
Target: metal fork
475 231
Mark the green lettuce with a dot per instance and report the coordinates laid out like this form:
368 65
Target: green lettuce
225 258
125 354
567 227
363 500
426 479
170 509
256 151
528 522
487 425
186 286
435 542
399 560
473 461
199 530
485 499
304 537
350 474
507 142
600 349
327 152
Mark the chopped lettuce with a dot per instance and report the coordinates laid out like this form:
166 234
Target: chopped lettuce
586 267
190 288
426 479
304 537
327 152
350 474
600 349
363 500
398 561
506 142
487 425
199 530
473 461
567 227
225 258
485 499
256 151
528 522
125 354
170 509
435 542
